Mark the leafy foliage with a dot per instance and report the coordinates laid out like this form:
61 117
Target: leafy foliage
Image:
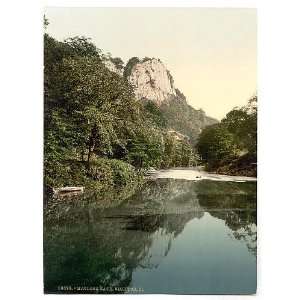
215 145
82 46
95 130
183 118
118 62
232 144
154 114
130 64
243 124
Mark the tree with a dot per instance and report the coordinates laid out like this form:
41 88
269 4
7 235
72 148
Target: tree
215 145
146 149
130 64
118 62
242 123
233 142
98 103
153 113
46 22
83 46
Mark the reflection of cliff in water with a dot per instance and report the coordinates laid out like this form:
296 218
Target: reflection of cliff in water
97 240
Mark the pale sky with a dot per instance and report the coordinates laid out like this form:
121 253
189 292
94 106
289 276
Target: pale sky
210 52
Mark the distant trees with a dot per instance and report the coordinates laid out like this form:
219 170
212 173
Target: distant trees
234 138
185 119
154 114
144 152
178 153
118 62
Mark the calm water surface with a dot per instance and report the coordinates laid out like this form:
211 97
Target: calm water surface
168 236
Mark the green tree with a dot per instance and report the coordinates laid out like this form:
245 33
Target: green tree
215 145
154 114
130 64
146 149
99 104
242 123
118 62
82 46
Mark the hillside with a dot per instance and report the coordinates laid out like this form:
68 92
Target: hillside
151 80
104 124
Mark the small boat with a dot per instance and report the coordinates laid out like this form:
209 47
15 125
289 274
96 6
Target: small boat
68 189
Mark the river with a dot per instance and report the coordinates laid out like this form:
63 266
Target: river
183 231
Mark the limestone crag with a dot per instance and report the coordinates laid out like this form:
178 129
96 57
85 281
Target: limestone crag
151 80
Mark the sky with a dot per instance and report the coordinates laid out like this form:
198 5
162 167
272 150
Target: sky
210 52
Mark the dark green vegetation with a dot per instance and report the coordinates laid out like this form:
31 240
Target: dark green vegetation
95 132
230 147
184 118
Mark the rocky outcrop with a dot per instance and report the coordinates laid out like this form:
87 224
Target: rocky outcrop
151 80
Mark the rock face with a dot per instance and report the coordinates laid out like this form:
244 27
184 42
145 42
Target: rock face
151 80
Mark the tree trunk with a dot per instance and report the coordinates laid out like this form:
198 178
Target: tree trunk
91 148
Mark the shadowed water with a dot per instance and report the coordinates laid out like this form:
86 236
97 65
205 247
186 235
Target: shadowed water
168 236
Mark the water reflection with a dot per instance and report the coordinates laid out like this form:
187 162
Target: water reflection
236 204
121 241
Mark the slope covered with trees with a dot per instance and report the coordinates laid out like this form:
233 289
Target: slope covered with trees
182 117
95 132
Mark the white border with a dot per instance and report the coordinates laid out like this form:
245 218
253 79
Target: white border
21 140
153 3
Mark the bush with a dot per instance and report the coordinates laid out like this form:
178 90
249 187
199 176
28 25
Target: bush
111 171
102 173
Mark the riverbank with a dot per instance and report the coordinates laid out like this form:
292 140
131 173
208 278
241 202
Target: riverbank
245 165
101 175
197 173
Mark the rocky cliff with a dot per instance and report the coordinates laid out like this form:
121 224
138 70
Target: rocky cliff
152 81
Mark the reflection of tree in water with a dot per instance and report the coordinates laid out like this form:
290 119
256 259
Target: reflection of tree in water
235 203
100 240
89 244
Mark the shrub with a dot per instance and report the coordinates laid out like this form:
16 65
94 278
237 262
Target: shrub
111 171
